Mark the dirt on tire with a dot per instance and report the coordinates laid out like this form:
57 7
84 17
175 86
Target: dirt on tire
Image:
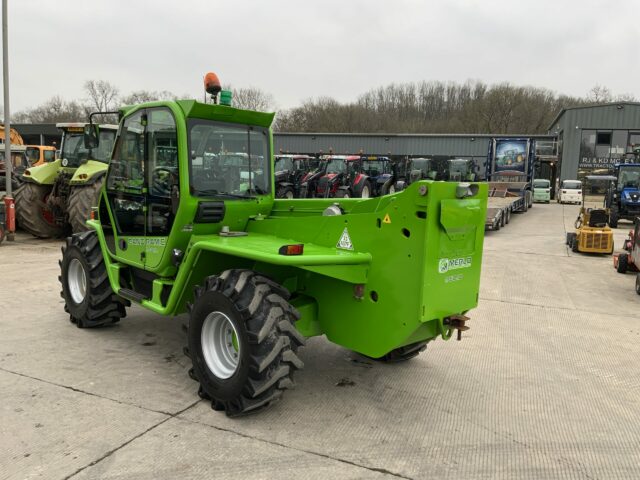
32 213
81 199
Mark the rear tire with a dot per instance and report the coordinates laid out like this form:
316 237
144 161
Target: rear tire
89 299
403 354
613 218
638 284
623 263
242 341
81 199
32 213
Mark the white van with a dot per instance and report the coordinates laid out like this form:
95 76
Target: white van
570 191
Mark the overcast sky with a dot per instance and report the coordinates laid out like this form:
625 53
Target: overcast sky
301 49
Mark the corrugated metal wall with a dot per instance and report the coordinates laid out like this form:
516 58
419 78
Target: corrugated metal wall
450 145
599 117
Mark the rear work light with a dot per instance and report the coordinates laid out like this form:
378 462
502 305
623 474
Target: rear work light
296 249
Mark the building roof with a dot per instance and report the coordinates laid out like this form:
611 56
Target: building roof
591 105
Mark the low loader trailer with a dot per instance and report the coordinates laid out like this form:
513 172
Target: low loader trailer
502 203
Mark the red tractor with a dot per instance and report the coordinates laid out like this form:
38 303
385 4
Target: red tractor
629 261
357 176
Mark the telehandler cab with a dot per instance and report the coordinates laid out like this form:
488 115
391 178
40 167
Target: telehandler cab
180 229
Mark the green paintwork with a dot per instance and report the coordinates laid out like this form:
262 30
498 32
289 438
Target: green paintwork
88 172
45 174
416 253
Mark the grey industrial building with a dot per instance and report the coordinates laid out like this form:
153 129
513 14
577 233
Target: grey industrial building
580 140
591 139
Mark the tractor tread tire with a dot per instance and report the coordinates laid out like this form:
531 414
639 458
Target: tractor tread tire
81 200
281 192
623 263
272 341
29 204
102 306
402 354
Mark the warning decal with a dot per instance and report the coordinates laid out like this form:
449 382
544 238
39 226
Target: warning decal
345 241
386 219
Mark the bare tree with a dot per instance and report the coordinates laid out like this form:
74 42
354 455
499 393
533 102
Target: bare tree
252 98
53 110
101 95
600 94
141 96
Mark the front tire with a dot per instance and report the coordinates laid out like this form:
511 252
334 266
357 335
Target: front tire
32 212
623 263
366 191
285 192
242 341
81 199
86 290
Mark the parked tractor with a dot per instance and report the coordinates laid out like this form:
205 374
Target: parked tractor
57 197
358 176
629 260
592 234
289 173
19 163
40 154
623 195
259 275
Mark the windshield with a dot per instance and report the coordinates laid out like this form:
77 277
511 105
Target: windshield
541 184
74 153
283 163
228 159
373 167
49 155
629 177
459 167
571 184
33 154
337 165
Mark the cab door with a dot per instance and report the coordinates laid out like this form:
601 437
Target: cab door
162 178
126 190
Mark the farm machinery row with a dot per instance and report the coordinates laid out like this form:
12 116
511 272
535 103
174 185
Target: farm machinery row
360 176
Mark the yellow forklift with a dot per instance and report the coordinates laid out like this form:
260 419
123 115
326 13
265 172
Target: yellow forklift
593 233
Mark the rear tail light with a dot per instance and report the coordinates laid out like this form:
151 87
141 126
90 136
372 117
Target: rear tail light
579 192
296 249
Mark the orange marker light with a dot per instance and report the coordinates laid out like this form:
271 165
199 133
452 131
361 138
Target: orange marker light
212 84
291 249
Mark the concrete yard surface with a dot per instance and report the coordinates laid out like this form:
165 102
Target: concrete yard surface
545 384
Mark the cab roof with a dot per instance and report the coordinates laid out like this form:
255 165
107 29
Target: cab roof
206 111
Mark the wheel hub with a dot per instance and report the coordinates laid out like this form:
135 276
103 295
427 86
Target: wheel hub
77 281
220 346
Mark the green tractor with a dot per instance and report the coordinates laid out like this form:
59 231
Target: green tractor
181 229
57 197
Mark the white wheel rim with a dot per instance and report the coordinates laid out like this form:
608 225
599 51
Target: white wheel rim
217 338
77 281
365 191
288 194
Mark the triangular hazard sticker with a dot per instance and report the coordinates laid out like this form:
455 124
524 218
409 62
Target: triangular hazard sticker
386 219
345 241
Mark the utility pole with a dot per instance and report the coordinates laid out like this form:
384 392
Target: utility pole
8 201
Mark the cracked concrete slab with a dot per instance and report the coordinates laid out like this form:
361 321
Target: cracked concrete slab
49 432
187 450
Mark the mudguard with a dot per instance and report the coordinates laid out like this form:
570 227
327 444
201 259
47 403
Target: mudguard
88 173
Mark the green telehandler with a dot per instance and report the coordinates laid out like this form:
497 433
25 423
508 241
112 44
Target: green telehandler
187 225
57 197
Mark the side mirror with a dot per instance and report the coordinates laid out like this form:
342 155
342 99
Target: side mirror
91 136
